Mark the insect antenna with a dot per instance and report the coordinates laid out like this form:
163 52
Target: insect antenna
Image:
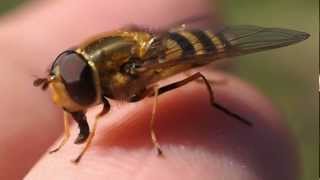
45 85
43 82
39 81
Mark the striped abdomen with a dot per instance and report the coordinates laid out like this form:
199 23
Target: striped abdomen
191 43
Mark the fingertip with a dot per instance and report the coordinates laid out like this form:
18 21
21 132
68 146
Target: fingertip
196 140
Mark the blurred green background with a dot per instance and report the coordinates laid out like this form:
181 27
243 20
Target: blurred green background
289 76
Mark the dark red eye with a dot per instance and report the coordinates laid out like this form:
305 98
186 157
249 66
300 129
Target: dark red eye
77 76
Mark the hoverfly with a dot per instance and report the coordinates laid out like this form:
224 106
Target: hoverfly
127 64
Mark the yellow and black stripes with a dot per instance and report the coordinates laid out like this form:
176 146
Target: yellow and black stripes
223 39
216 39
206 42
183 44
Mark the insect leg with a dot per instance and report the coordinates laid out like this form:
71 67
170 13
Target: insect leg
66 133
81 119
106 108
153 135
211 95
153 91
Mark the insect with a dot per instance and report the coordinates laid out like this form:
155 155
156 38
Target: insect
126 65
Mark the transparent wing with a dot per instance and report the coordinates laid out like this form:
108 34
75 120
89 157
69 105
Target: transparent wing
236 41
246 39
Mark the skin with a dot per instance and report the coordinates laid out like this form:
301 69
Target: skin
198 141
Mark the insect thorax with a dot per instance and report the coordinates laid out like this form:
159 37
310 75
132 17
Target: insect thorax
110 54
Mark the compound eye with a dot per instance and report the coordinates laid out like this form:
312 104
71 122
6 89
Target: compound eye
77 77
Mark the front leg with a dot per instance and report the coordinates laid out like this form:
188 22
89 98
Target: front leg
89 137
81 119
66 133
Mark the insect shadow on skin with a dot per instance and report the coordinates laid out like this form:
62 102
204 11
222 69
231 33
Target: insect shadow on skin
127 65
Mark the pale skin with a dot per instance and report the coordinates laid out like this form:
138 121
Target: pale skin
198 141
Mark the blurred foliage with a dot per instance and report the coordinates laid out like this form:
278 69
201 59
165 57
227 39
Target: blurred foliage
289 76
6 5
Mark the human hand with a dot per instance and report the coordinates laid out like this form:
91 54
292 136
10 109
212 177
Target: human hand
198 141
